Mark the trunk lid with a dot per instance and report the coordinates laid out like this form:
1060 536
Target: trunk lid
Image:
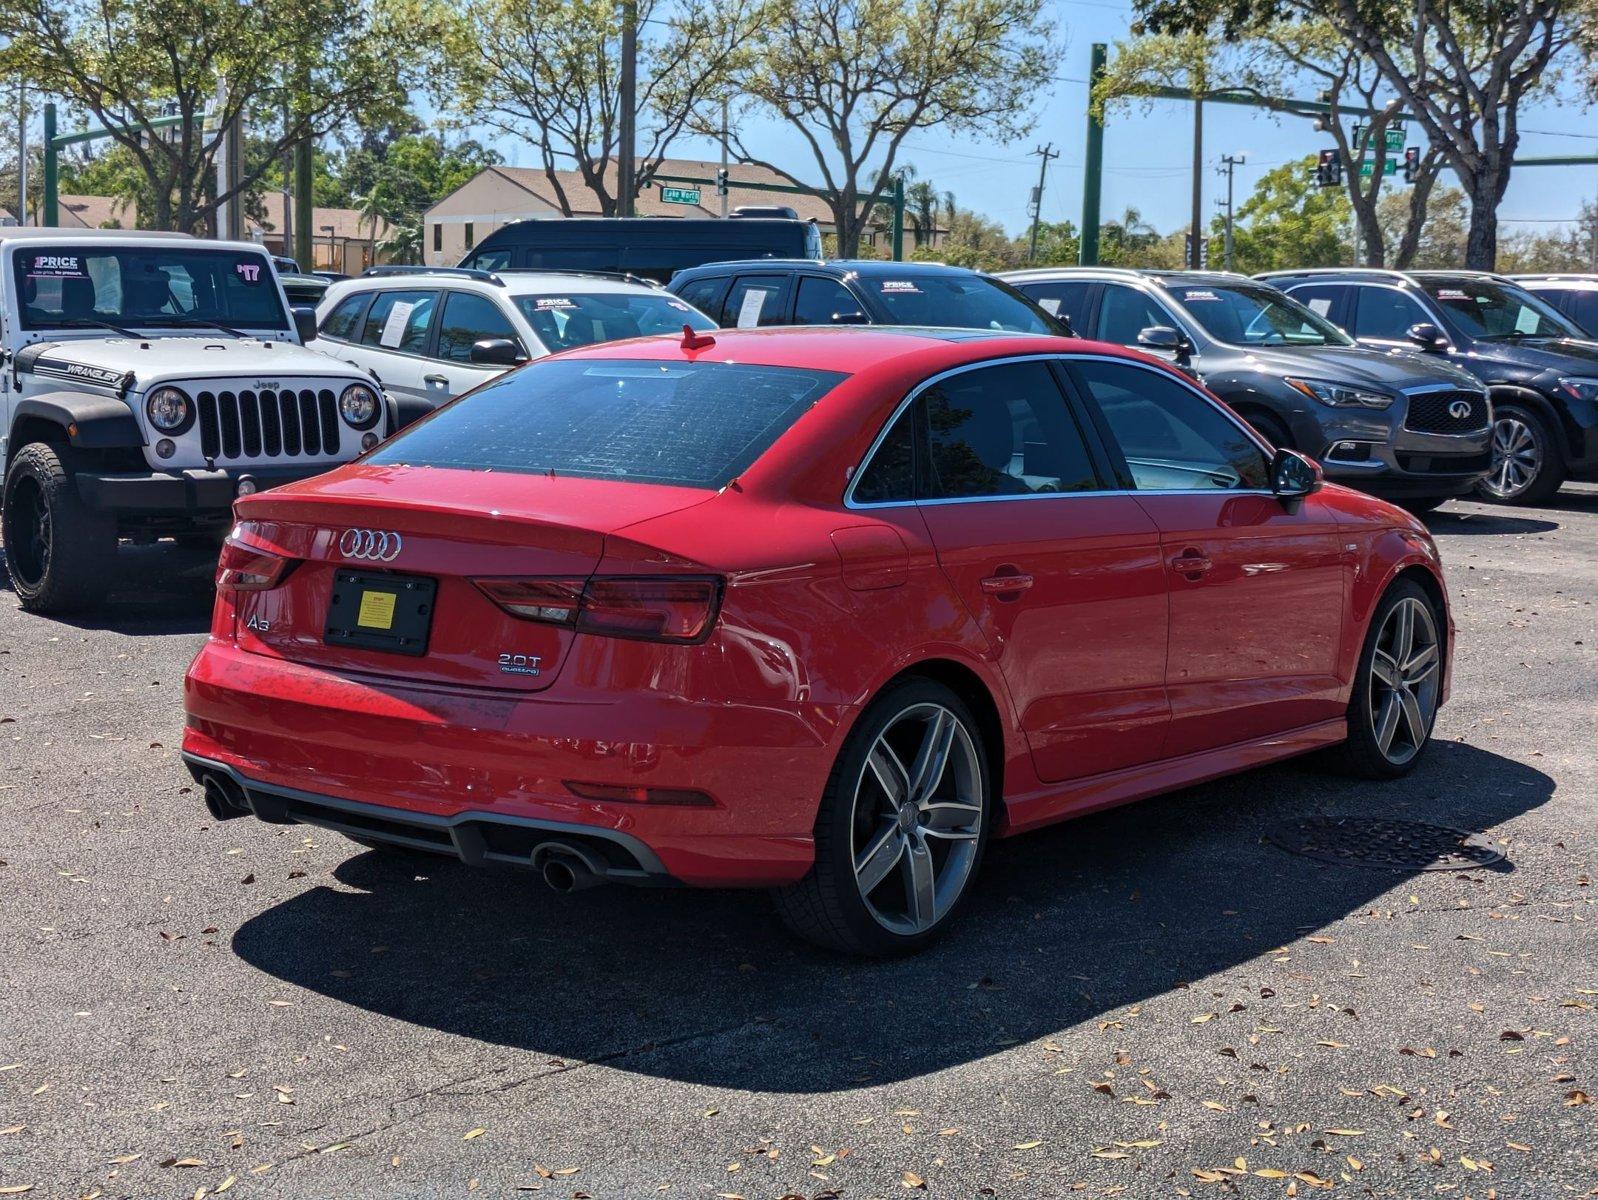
444 528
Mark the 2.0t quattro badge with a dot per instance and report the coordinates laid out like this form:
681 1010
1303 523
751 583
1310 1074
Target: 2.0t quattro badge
372 545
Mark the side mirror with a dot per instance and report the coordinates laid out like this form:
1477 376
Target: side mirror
304 321
1427 336
1162 337
497 352
850 318
1294 475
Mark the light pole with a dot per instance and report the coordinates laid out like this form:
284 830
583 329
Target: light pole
1229 164
628 99
332 250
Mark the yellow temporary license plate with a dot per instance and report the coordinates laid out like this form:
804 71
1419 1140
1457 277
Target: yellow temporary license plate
376 611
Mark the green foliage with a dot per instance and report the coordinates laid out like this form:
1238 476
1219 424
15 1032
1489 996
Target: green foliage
1289 222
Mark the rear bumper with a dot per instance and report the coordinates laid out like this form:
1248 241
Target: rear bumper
477 774
191 492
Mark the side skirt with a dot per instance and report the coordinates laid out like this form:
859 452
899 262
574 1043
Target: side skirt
1081 796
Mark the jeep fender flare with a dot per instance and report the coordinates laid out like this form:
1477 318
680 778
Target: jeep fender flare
86 421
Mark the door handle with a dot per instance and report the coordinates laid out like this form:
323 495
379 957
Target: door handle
443 379
1007 586
1190 563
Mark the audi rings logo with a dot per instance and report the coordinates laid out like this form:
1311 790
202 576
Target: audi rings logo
373 545
1459 409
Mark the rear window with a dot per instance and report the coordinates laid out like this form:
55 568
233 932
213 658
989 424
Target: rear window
687 424
957 302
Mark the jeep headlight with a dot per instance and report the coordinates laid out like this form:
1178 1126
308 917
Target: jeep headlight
169 410
1339 395
359 407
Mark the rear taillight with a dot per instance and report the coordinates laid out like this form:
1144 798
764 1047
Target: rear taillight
652 608
244 568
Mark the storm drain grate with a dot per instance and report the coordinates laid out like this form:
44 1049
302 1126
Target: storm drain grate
1385 844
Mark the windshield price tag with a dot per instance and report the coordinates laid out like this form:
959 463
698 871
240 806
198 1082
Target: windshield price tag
900 287
1199 294
546 302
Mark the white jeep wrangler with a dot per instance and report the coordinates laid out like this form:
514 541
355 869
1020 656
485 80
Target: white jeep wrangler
146 380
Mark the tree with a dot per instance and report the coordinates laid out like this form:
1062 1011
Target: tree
403 244
1268 62
1289 222
1440 243
855 77
125 64
1461 70
549 71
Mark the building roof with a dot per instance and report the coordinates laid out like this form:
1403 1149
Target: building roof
346 222
543 197
94 212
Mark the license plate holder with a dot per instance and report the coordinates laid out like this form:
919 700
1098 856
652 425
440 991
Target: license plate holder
375 610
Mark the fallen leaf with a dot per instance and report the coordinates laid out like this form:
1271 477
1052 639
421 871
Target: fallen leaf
911 1180
472 1133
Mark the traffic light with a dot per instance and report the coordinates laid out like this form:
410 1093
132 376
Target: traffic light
1329 169
721 181
1411 163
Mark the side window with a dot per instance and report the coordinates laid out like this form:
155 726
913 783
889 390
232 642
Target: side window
756 300
820 301
890 475
469 318
1384 313
399 320
704 294
1002 431
1066 300
1583 310
1171 437
1126 312
340 323
1320 298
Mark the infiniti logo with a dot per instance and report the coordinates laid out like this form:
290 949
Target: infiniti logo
1459 409
374 545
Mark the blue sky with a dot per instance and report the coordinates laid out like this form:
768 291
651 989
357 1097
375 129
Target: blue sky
1148 155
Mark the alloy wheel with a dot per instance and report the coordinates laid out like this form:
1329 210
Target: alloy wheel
917 818
30 526
1404 680
1516 458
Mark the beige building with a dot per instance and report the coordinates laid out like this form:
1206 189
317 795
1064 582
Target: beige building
497 196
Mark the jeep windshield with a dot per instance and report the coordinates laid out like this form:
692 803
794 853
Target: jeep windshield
1497 312
1242 315
146 287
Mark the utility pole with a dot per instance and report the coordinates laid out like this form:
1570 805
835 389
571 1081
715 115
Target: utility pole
725 134
1195 244
625 169
1229 164
22 154
1044 153
1093 163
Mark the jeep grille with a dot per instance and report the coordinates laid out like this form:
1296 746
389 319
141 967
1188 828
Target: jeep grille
249 424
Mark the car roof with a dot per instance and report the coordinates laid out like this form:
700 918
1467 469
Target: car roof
1038 274
503 283
52 233
1563 280
839 267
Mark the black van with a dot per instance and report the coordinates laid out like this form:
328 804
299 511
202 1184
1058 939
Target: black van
654 247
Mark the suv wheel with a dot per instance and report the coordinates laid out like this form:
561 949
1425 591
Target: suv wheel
1398 686
1526 464
57 549
901 830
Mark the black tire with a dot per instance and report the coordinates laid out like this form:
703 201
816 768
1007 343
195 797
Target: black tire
1421 505
1363 754
1548 474
1271 429
58 550
826 906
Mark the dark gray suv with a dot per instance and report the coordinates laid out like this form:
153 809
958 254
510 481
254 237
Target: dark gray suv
1409 429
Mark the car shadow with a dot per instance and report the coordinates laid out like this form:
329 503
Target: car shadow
161 588
1444 521
1065 925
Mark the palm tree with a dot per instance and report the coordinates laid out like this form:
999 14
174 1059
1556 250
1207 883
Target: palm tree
370 209
403 244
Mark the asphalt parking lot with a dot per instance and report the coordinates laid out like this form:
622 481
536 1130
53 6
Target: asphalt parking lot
1155 1001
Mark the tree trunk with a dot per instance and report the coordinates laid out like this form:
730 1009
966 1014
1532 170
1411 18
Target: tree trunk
1481 241
1419 197
846 220
1370 235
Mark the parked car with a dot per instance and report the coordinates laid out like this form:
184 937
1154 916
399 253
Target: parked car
150 380
817 610
1412 432
300 288
652 247
1540 369
1574 295
430 334
331 276
764 292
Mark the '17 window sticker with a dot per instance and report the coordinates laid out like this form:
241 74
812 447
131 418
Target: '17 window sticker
250 272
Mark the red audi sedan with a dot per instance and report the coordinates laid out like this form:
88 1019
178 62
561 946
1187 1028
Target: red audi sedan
815 610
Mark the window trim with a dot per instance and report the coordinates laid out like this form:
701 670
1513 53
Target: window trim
865 461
